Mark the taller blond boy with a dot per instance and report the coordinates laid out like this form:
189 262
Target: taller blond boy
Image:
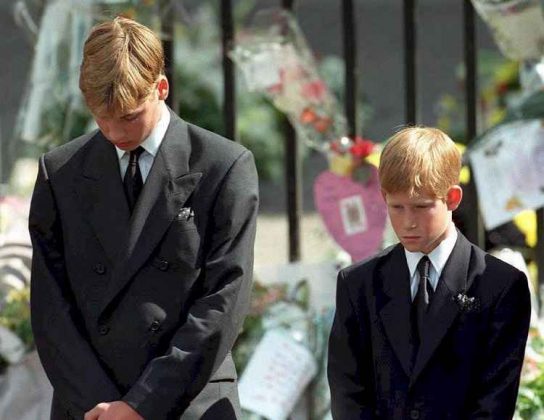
432 328
143 236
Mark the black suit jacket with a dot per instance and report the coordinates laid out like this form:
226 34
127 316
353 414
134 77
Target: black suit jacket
143 308
469 362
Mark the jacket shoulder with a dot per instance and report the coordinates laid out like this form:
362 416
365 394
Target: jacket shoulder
363 270
58 157
500 271
213 146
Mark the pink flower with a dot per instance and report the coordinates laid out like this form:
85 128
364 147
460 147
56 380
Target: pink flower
314 91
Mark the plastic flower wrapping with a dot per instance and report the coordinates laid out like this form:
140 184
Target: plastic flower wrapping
517 26
275 59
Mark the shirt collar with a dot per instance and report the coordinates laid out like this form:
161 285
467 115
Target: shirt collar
152 143
438 256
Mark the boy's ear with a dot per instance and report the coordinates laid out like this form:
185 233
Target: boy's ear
454 197
163 88
384 195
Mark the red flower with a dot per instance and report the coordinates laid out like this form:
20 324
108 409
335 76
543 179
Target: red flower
314 91
322 124
501 88
361 148
307 116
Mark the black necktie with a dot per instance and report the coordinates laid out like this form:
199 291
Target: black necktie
133 182
424 294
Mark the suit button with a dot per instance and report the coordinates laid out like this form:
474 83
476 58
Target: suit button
414 414
103 329
155 325
99 269
163 265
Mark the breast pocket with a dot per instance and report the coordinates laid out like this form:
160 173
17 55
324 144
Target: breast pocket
181 246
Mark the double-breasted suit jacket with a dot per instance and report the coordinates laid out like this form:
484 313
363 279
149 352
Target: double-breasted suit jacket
469 361
146 307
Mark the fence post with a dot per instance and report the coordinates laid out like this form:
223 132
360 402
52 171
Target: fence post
229 81
410 67
293 180
168 46
350 63
474 226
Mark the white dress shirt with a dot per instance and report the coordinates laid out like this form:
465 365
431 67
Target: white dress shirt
151 146
438 257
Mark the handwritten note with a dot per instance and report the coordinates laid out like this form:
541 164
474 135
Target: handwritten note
276 376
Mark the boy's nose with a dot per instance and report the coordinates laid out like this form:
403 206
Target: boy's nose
115 134
410 223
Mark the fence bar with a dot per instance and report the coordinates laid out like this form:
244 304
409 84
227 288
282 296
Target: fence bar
293 180
474 227
350 62
469 41
229 85
168 46
410 71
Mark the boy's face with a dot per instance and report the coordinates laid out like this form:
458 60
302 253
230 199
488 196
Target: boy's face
127 131
421 222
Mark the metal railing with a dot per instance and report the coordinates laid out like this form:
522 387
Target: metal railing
473 227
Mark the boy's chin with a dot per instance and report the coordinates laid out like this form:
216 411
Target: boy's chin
411 247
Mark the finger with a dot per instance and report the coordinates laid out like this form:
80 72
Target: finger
92 414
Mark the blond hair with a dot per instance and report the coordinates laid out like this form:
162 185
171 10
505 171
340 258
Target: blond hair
420 159
122 61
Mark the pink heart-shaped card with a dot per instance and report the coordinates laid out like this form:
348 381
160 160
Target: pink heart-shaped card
354 213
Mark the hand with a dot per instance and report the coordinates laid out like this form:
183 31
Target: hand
95 412
116 410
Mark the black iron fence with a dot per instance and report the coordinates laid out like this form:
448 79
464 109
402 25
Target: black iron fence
473 228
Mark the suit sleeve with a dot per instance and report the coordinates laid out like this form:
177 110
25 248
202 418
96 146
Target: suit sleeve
499 381
214 320
67 357
348 367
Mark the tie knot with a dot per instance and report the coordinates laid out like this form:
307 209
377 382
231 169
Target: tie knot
423 267
134 155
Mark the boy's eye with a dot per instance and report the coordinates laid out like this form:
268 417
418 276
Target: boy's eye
131 118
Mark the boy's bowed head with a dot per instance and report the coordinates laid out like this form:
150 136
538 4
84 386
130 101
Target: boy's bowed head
419 176
122 80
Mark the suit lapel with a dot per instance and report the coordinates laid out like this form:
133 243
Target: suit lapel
166 189
100 193
457 276
394 306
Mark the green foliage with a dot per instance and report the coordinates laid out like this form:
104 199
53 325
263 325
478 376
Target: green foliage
15 315
498 83
530 404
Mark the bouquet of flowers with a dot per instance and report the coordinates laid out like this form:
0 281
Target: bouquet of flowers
278 307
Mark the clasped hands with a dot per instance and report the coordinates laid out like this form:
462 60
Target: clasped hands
115 410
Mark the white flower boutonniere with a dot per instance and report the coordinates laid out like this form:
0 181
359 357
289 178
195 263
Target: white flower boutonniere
466 303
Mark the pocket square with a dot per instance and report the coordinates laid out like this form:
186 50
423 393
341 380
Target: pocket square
185 213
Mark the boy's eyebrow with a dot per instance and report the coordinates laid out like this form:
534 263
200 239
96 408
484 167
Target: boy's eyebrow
132 114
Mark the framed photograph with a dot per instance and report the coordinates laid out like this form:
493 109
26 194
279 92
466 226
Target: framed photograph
353 215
